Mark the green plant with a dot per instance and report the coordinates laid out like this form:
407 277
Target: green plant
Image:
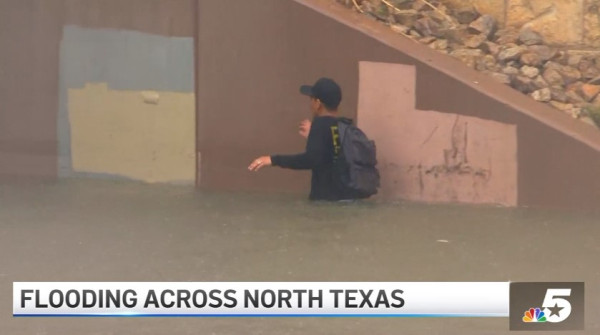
594 113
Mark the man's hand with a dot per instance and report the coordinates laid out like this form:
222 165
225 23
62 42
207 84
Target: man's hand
305 128
258 163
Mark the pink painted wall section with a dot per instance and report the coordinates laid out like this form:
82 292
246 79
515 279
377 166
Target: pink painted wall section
433 156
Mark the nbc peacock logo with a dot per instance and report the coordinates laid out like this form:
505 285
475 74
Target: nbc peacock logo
534 315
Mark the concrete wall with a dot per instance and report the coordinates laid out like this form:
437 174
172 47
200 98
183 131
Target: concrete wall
34 128
431 156
564 22
140 135
251 71
248 69
29 35
127 105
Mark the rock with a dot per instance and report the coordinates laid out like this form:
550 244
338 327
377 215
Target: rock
427 40
401 4
490 61
511 71
523 84
545 52
485 25
513 63
531 59
427 27
561 58
553 77
530 37
467 56
442 16
390 20
590 73
559 21
475 41
375 12
466 15
520 12
415 34
595 81
490 48
456 35
367 6
561 106
530 71
559 94
501 78
470 62
419 5
400 29
406 17
542 95
574 112
570 109
466 52
553 65
589 92
588 69
494 8
515 55
539 82
439 45
576 86
591 24
569 74
511 54
574 97
574 60
487 62
479 65
506 36
378 10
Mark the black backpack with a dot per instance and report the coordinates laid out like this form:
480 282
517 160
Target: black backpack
355 161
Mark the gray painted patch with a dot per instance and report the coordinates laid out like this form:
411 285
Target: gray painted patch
125 60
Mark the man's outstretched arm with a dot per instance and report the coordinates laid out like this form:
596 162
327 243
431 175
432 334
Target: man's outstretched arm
304 161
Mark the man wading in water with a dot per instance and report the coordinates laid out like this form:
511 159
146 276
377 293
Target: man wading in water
325 97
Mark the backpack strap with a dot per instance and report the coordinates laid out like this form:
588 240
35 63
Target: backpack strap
343 125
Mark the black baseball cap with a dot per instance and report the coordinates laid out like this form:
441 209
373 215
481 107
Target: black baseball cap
326 90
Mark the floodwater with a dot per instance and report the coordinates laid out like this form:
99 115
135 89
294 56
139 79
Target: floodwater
95 230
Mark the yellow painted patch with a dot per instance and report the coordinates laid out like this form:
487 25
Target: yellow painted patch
127 133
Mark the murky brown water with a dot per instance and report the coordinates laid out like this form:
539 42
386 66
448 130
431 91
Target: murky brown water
90 230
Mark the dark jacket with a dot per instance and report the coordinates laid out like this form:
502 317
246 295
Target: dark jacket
318 157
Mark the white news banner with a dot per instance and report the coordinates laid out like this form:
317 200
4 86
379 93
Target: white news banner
418 299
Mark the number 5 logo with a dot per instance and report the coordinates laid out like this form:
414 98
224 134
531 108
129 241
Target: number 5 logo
557 309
